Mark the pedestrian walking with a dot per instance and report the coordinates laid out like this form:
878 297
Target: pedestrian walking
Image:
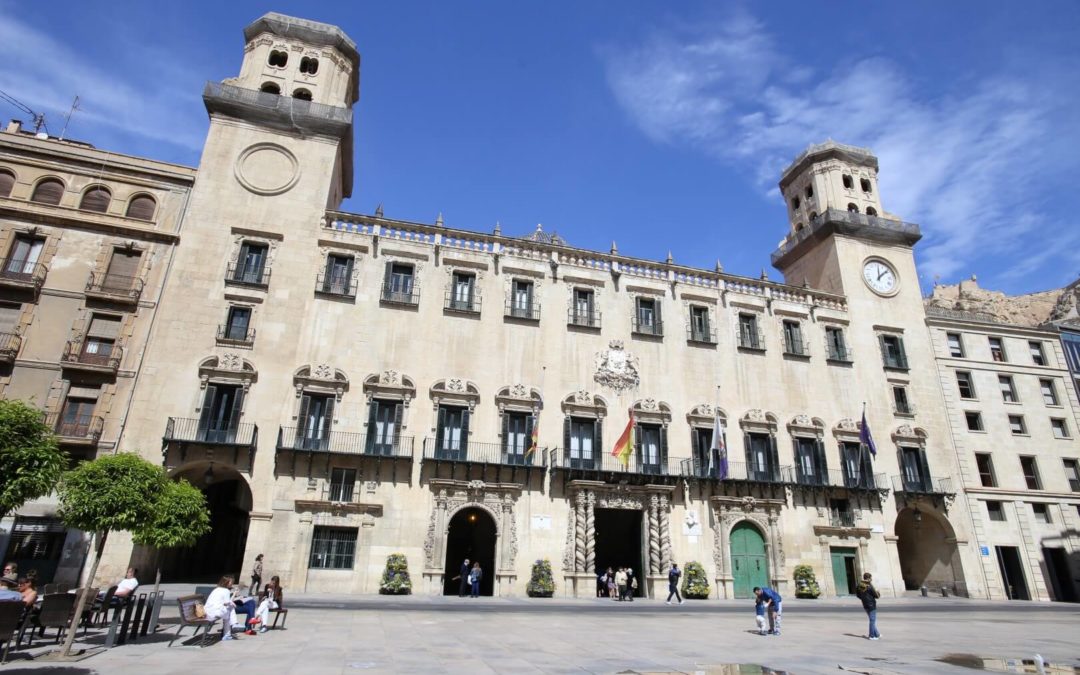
256 575
620 583
673 583
602 584
463 578
759 616
611 587
474 579
631 584
869 595
773 605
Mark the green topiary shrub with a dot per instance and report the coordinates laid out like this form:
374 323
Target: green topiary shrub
541 583
395 578
695 585
806 585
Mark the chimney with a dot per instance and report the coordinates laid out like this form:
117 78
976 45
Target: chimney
14 126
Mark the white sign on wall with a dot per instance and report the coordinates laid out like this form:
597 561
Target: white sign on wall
691 526
541 522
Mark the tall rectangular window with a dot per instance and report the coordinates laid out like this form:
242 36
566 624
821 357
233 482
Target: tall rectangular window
915 471
985 463
582 312
452 432
517 436
521 299
100 340
1049 392
956 345
965 384
219 418
582 442
251 263
333 548
316 421
647 317
793 342
1017 425
699 324
1038 357
342 483
77 415
748 332
997 349
399 284
1008 390
1031 473
462 292
1042 512
892 352
974 420
650 448
901 404
809 458
1059 427
23 256
122 270
837 346
337 279
761 458
857 468
237 323
1072 473
995 510
384 427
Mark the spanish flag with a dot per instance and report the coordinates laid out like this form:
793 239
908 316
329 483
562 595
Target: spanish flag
625 445
534 437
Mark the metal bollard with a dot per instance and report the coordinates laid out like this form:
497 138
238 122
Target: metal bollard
944 592
923 590
134 635
122 637
158 602
110 639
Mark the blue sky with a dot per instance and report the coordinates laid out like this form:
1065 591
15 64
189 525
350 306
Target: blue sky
662 126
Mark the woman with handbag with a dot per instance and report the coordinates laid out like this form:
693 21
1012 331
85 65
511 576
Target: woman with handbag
474 579
256 575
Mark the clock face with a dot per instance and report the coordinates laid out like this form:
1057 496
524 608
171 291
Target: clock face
880 277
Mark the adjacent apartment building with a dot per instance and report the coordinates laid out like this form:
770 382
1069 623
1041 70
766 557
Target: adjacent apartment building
346 386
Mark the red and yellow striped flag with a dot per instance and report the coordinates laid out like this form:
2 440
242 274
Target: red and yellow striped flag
625 445
534 437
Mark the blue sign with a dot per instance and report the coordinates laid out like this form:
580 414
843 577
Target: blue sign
985 550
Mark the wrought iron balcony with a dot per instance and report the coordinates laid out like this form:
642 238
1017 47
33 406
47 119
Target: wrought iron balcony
837 478
229 335
335 285
737 471
841 519
840 353
894 360
750 341
240 274
903 408
922 485
583 319
526 312
100 357
650 327
114 288
796 347
76 429
400 294
483 453
21 274
190 430
603 462
9 347
344 443
468 303
701 335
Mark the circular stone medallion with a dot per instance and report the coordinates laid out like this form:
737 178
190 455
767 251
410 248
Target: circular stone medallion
267 169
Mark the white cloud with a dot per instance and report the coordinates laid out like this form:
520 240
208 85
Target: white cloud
978 168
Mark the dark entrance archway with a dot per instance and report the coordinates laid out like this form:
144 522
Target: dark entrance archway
472 534
619 543
221 551
926 545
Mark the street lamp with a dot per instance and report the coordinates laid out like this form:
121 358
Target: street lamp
208 477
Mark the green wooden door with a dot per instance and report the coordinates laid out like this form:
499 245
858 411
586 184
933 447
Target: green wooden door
843 570
748 564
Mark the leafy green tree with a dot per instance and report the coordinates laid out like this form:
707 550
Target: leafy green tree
180 517
110 493
695 583
30 461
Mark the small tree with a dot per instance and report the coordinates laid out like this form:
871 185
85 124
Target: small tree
110 493
695 584
541 583
30 461
395 578
180 517
806 585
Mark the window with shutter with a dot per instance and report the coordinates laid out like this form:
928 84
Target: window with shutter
7 182
23 257
48 191
123 268
96 199
141 207
9 318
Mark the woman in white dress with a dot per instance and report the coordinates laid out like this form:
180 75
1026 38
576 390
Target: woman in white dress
219 606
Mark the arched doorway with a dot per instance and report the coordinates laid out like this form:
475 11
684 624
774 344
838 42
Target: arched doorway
221 551
928 553
471 535
749 564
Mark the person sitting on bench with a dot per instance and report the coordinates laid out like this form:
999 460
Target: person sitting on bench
272 599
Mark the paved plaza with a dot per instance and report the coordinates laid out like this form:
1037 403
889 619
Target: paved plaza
486 635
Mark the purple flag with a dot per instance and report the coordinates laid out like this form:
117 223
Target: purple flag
864 435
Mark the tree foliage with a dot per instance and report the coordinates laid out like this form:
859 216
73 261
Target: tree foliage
179 518
114 492
395 578
541 581
695 584
30 461
806 585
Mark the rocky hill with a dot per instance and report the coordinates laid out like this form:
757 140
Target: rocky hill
1031 309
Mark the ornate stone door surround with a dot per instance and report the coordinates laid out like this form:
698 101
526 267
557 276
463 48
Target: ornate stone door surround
579 558
498 500
727 512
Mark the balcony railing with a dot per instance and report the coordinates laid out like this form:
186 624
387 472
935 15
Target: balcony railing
837 478
583 319
219 94
647 327
232 336
338 285
9 347
399 294
896 360
737 471
604 462
247 275
19 273
841 353
750 341
114 287
841 519
483 453
344 443
468 303
924 486
702 335
903 408
190 430
83 429
796 347
78 354
526 312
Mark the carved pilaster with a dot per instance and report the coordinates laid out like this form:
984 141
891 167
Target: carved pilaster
590 532
568 553
665 535
654 535
580 533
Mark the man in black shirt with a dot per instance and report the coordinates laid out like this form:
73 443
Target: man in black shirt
673 583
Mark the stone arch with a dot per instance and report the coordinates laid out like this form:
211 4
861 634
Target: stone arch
928 550
95 197
704 415
759 420
846 429
804 425
390 384
48 190
651 410
321 378
473 505
228 367
519 397
455 391
905 433
585 404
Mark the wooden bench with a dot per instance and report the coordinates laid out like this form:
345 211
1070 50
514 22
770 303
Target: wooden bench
186 605
279 613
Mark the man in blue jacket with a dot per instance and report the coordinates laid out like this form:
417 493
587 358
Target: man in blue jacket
773 604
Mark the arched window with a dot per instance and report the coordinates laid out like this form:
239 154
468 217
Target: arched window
141 207
278 59
795 204
871 211
865 184
96 199
7 181
852 208
799 227
270 88
809 191
848 182
309 65
302 94
48 191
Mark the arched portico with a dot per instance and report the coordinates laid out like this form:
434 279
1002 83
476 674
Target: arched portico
927 547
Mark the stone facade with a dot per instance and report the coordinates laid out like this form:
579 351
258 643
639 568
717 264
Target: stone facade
346 386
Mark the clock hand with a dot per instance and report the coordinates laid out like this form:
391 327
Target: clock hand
883 273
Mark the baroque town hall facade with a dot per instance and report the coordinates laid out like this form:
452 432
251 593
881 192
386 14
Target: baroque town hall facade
344 386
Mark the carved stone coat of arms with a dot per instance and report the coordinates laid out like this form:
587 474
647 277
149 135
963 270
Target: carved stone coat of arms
616 368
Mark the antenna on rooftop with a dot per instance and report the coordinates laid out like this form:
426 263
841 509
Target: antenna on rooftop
67 118
38 118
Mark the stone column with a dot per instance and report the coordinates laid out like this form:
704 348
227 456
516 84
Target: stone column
654 535
580 532
665 535
590 532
